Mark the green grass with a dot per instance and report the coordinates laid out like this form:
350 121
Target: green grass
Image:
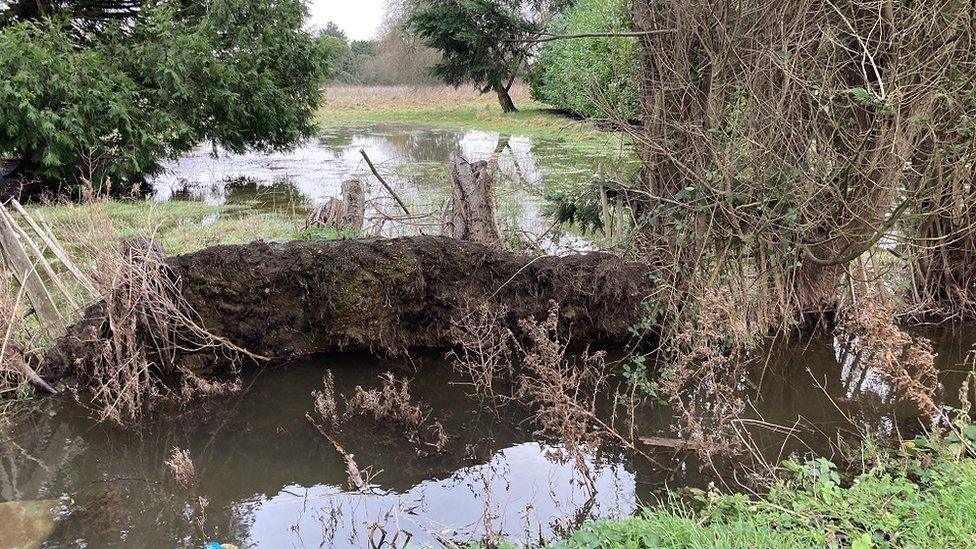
920 497
181 226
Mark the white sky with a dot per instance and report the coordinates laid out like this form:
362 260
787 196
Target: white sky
358 18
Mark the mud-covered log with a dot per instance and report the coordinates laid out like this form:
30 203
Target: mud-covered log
472 214
291 300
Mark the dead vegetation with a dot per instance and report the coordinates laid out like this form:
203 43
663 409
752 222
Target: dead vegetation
702 384
392 404
147 325
484 349
907 362
144 325
181 467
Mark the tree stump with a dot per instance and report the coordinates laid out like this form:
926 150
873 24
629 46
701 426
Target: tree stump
347 213
472 212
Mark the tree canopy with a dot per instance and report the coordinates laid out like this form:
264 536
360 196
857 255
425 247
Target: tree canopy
103 90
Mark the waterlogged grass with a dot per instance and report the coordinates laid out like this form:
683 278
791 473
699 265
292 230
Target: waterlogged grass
181 226
919 498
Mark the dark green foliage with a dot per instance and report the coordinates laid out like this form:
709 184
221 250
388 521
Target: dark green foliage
107 103
594 77
480 41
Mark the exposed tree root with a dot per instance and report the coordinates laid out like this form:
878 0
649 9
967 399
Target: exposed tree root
285 301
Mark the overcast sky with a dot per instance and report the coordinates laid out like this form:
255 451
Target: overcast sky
359 18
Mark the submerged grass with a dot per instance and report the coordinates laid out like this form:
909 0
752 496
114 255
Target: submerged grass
922 497
448 107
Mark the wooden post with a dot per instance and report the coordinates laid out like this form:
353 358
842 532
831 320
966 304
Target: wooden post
55 247
472 215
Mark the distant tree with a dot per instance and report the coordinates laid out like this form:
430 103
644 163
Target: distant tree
484 42
105 89
331 29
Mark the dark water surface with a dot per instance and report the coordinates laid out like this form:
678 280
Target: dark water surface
272 481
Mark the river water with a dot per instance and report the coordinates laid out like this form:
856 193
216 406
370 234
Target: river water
271 480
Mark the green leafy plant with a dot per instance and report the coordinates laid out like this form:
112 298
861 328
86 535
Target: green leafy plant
593 77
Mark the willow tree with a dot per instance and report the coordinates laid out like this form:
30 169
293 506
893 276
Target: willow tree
780 141
102 90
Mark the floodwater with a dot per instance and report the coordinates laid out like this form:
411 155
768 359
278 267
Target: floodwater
413 160
271 480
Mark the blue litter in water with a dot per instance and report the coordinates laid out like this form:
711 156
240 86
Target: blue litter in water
212 545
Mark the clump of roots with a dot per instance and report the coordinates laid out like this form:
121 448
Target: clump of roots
907 362
147 326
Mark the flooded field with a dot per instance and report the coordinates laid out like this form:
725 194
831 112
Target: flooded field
270 480
413 159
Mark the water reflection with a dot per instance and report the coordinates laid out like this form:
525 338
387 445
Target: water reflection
271 480
412 158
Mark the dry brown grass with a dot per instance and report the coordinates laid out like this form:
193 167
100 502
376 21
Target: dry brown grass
379 98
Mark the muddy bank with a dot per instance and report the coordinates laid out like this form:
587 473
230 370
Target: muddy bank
286 301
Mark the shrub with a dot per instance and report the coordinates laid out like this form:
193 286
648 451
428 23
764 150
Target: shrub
594 77
108 102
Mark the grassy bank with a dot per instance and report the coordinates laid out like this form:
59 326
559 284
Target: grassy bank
920 496
446 106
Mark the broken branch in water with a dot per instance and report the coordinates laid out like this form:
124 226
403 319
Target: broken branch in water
352 468
384 183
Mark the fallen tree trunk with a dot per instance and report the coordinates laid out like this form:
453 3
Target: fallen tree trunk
285 301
